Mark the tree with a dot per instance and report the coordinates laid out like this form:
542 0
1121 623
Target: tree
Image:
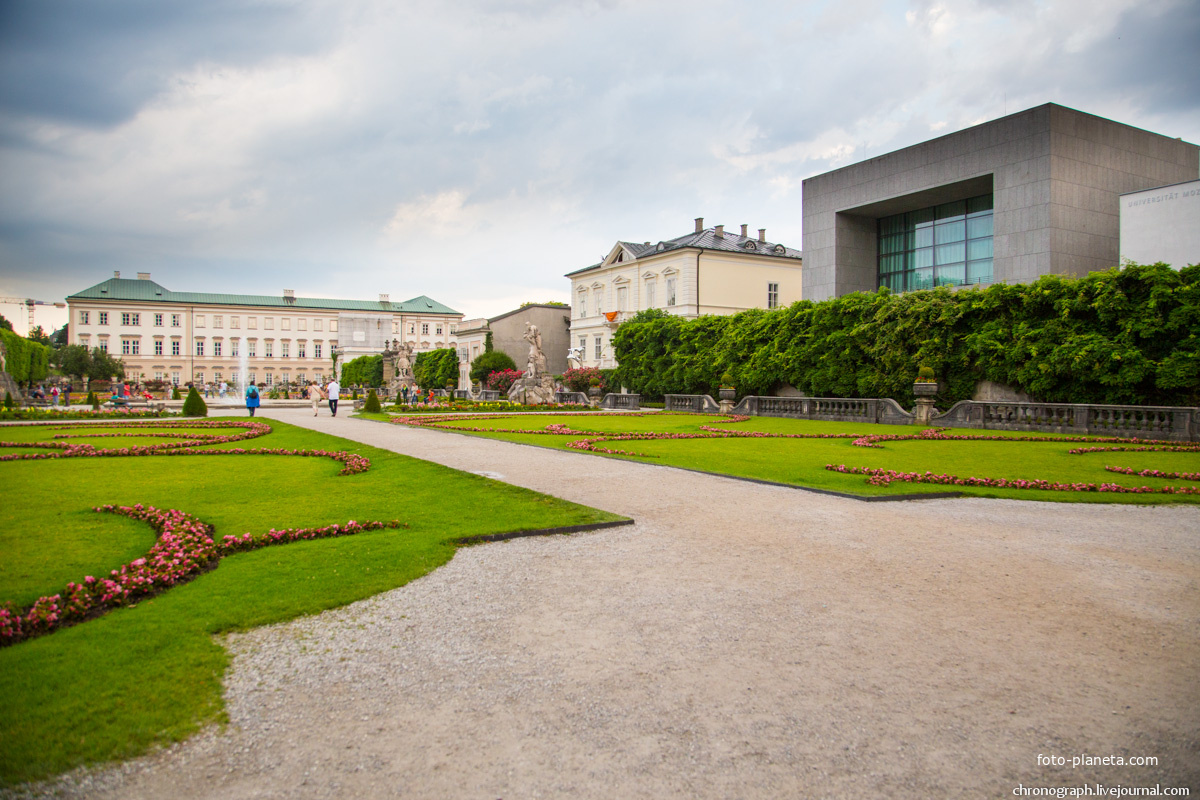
38 334
487 342
60 337
5 325
435 368
363 371
489 362
372 405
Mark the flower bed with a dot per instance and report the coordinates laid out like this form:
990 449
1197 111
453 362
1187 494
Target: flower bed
184 549
37 414
883 477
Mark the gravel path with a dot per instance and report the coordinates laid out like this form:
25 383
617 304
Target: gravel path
740 641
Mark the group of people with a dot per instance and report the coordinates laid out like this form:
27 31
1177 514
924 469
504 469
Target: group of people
314 391
213 389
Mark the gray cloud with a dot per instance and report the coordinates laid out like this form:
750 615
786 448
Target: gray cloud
475 151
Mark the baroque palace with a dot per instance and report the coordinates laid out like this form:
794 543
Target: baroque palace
182 337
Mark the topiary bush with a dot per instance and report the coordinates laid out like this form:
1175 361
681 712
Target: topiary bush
487 363
93 401
194 405
8 401
175 394
372 405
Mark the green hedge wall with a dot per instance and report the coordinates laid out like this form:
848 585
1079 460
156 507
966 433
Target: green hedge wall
363 371
433 369
1125 336
25 360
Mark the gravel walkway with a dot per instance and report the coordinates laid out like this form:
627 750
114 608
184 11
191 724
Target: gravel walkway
740 641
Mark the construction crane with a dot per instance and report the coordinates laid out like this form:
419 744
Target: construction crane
29 303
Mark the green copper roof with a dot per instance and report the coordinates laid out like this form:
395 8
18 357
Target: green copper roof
149 291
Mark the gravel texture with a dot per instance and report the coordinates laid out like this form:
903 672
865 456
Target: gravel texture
740 640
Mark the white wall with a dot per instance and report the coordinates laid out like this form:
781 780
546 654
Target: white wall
1162 225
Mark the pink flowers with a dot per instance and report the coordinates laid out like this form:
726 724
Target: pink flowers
883 477
184 549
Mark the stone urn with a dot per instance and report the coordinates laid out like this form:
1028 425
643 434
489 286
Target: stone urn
924 392
727 395
594 394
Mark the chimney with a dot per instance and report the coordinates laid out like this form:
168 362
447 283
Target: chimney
762 234
143 276
289 294
383 298
699 224
720 231
116 273
743 230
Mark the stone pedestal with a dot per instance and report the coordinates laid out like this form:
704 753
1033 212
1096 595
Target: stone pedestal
727 398
532 391
923 413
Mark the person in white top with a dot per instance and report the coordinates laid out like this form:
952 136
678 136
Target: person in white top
332 391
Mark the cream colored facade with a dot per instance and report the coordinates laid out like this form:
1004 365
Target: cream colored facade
708 272
187 337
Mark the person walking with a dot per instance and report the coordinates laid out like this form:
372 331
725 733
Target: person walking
315 394
332 391
252 398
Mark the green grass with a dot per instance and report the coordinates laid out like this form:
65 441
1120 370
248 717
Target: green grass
801 462
112 687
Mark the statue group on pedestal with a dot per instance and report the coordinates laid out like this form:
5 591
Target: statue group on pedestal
536 386
397 366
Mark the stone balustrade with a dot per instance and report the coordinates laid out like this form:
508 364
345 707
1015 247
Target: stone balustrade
629 402
835 409
1173 423
579 398
696 403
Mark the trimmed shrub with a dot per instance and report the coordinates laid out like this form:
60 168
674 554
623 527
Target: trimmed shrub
435 368
194 405
372 405
175 393
93 401
487 363
8 401
363 371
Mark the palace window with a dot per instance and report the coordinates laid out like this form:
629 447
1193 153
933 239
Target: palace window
252 323
424 328
83 318
199 320
158 320
217 349
175 378
235 322
233 348
269 324
103 347
283 349
317 325
250 347
103 317
300 350
218 321
158 348
199 347
650 292
599 345
670 291
599 302
316 351
622 298
439 330
772 295
268 346
301 324
945 245
286 325
174 320
131 347
175 347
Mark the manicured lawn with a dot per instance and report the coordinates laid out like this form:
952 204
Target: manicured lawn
113 686
802 461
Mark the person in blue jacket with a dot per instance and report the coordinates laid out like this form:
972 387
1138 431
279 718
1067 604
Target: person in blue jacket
252 399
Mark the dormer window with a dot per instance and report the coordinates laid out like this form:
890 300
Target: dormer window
751 245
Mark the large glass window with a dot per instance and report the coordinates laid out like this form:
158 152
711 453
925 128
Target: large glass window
946 245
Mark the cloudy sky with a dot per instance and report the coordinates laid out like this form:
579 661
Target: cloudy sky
476 150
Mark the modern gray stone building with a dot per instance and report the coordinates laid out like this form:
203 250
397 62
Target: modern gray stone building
1029 194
